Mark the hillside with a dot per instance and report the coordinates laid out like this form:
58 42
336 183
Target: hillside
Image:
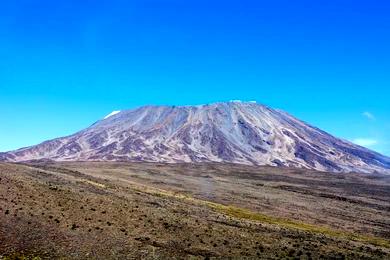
185 211
234 132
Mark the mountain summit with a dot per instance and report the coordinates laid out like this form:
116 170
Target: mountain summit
236 132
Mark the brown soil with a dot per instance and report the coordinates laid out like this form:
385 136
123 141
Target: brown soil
190 211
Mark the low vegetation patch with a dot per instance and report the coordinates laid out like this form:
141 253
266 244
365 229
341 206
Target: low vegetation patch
241 213
286 223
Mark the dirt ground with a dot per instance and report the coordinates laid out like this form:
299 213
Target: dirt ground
190 211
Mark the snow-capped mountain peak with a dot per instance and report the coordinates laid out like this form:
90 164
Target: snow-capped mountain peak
236 132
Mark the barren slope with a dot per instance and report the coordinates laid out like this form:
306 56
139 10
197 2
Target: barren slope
245 133
127 210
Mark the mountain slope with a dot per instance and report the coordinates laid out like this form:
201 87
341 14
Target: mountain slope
236 132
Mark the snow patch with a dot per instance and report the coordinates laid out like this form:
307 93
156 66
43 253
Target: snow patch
365 141
113 113
242 101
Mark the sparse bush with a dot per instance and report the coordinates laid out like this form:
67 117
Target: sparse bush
74 226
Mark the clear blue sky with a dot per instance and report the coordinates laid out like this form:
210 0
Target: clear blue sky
65 64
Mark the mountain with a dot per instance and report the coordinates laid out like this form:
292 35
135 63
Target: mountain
236 132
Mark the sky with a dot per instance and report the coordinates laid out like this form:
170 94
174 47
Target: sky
66 64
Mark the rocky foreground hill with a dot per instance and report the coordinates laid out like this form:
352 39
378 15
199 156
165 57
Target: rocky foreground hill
116 210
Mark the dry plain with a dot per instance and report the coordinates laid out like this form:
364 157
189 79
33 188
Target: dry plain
101 210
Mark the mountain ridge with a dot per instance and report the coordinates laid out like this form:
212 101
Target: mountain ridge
235 131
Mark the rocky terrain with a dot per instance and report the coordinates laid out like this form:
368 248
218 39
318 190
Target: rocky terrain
235 132
111 210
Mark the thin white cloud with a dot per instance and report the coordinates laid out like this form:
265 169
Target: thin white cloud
368 115
365 141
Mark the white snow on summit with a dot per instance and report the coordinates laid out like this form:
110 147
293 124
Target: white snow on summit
113 113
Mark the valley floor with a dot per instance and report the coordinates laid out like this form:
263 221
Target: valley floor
190 211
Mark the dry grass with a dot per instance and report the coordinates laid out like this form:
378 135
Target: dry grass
154 211
244 214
